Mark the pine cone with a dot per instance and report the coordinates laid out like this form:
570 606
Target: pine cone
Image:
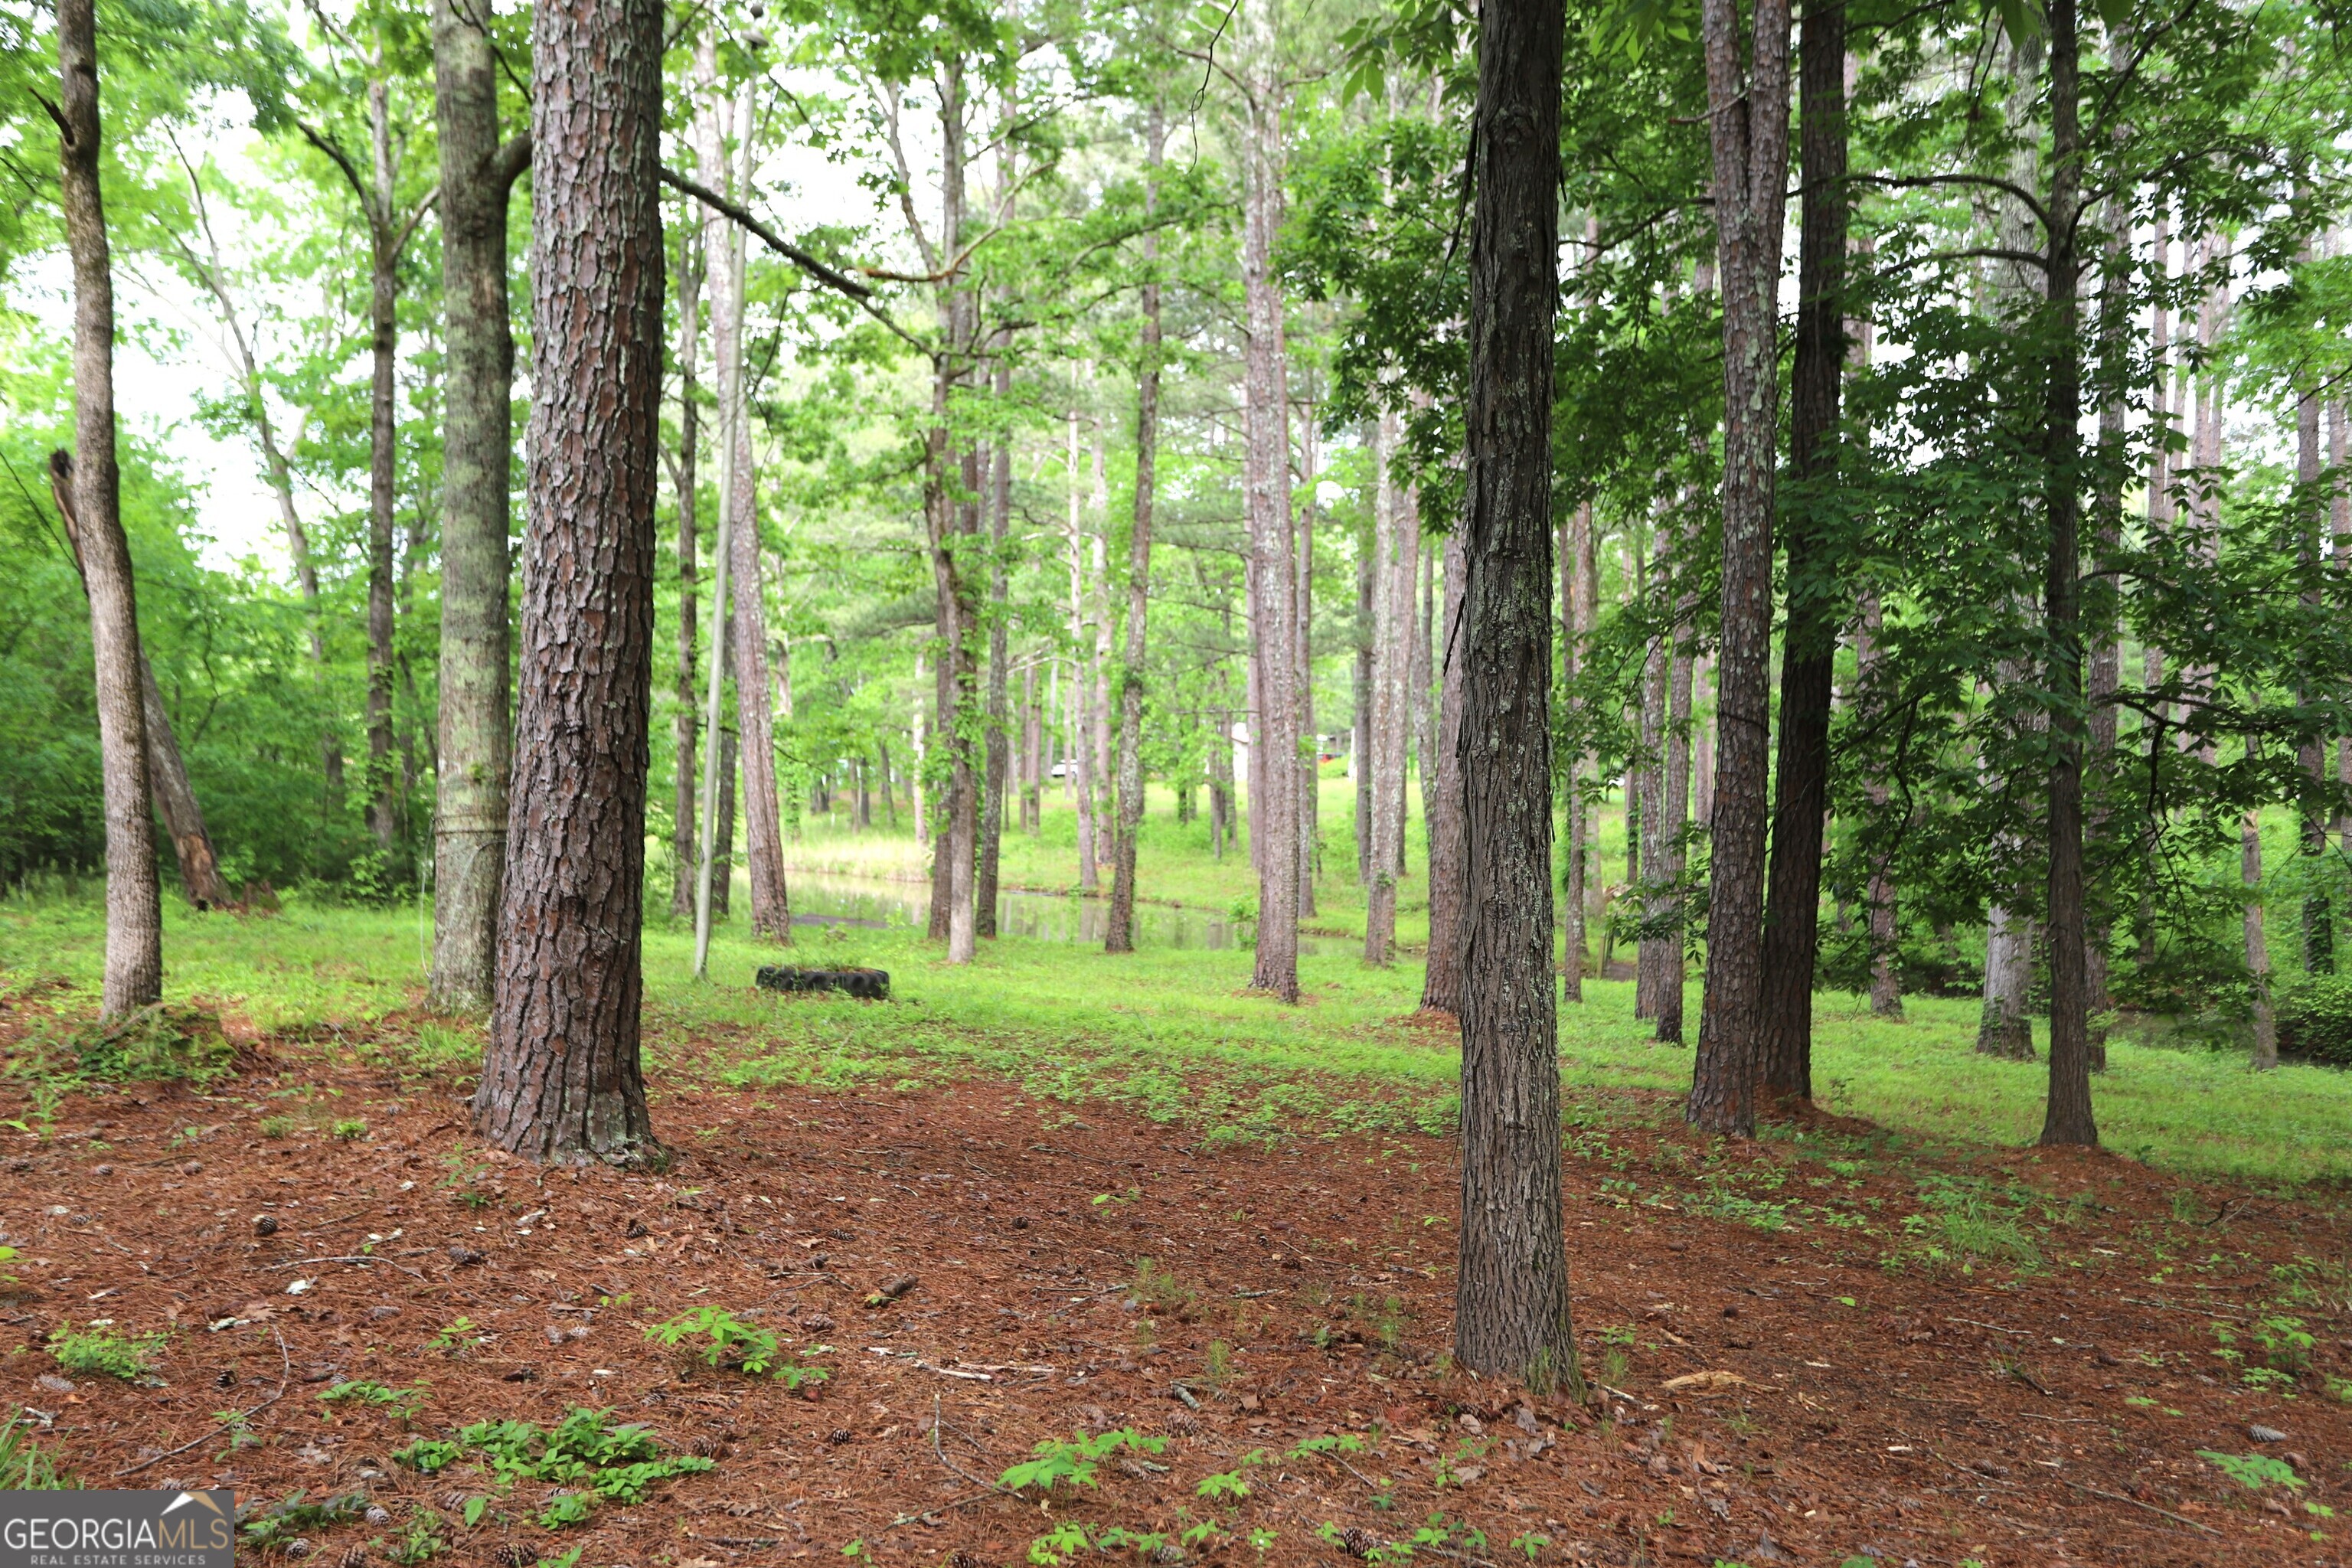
1183 1423
513 1554
1356 1543
708 1447
354 1557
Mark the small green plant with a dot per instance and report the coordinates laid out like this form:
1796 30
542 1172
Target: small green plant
277 1126
161 1042
423 1542
2253 1472
458 1338
1219 1369
1530 1544
236 1426
293 1516
1155 1287
1060 1544
745 1347
349 1129
1225 1484
400 1402
98 1350
1076 1462
584 1450
566 1508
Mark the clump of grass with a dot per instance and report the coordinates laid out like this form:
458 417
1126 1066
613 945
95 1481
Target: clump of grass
98 1350
161 1042
400 1403
1156 1285
24 1465
350 1128
1964 1223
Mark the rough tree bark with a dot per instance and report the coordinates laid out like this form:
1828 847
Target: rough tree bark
1266 482
469 812
2318 919
561 1078
1441 986
167 772
1511 1314
2068 1120
1676 806
134 901
1120 937
2258 950
1747 119
1576 605
1809 658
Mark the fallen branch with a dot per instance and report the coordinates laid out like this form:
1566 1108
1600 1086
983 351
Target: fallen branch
2118 1497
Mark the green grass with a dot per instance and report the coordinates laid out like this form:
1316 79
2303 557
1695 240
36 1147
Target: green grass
1177 1035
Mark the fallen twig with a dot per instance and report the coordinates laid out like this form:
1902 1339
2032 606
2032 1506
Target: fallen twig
355 1258
2118 1497
285 1375
2176 1307
1996 1328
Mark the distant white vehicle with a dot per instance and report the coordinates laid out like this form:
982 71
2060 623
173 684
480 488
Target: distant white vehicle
1058 770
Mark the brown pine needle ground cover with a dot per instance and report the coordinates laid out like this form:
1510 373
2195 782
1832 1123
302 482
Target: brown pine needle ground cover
1813 1350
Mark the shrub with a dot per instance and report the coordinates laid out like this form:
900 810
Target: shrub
97 1350
2315 1019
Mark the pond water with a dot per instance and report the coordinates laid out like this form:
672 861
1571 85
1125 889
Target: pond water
1043 917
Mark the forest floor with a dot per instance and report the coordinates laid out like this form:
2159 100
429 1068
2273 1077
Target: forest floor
1907 1351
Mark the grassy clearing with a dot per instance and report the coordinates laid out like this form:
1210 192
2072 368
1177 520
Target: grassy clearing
1177 1034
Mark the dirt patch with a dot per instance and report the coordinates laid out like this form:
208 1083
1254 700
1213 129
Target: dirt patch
1776 1394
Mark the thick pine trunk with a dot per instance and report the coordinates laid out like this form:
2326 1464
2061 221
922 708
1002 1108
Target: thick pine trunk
1511 1313
134 905
1274 796
1809 658
2068 1119
561 1079
2004 1026
1120 937
1441 986
1747 118
476 737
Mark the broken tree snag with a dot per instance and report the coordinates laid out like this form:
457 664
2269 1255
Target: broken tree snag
868 985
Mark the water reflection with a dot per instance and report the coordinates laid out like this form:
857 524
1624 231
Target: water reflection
1042 916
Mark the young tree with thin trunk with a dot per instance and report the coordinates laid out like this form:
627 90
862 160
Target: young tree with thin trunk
1747 126
1441 986
167 772
1577 569
134 903
469 815
1120 935
1816 609
1397 532
390 227
1511 1313
561 1078
687 354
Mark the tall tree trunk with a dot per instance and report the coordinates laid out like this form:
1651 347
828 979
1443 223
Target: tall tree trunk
561 1078
167 772
688 353
1302 688
997 759
1360 739
1576 607
1394 531
1441 986
763 835
134 901
476 737
1511 1316
1808 658
1650 782
2068 1120
1098 725
1878 895
383 341
2105 675
1266 481
1677 807
2318 921
1120 937
1081 768
1747 120
1421 681
2339 462
2258 950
